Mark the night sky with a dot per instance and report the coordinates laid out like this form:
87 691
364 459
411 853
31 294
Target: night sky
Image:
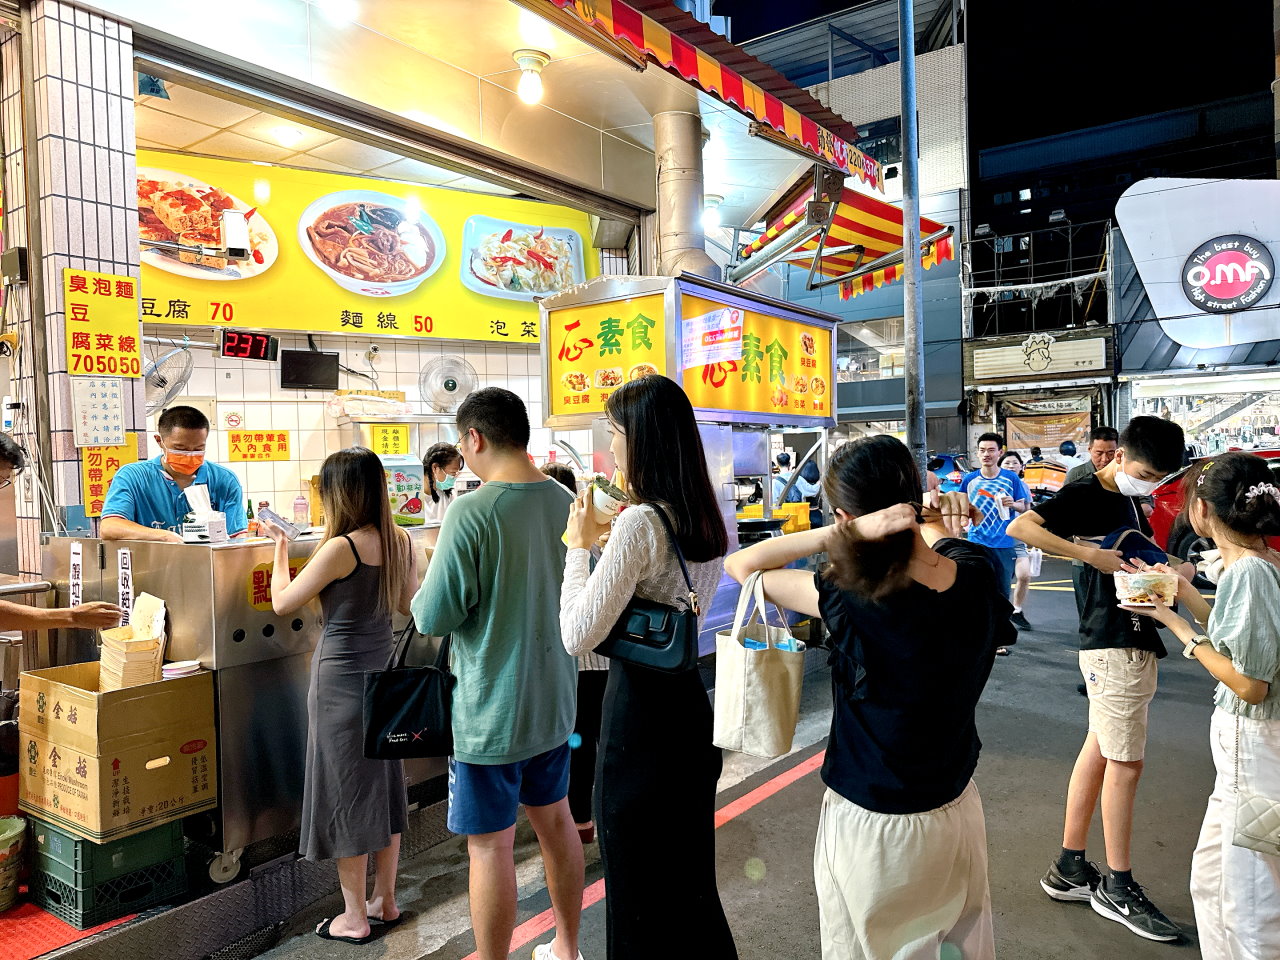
1039 68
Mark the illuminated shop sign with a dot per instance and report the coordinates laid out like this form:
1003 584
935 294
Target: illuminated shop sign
1228 273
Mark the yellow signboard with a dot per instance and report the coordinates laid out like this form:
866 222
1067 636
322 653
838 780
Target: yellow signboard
99 466
390 438
259 582
596 348
352 255
102 324
246 445
784 368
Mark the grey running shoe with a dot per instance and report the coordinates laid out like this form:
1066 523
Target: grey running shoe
1130 906
1071 886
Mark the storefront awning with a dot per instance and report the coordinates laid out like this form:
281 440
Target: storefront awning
860 232
705 67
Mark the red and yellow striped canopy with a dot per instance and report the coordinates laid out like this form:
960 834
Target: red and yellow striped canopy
651 39
859 219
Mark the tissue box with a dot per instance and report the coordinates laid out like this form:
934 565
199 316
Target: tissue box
210 529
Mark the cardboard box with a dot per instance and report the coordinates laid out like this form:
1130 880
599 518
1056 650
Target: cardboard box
109 765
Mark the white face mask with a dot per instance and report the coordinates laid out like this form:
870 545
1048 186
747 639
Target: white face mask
1133 487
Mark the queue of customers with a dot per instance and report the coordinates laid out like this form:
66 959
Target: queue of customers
528 585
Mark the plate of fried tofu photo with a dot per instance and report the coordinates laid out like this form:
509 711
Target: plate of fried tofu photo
176 209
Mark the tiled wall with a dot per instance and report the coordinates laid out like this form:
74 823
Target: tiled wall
84 165
940 91
252 389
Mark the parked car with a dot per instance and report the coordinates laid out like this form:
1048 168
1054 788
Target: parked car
1174 534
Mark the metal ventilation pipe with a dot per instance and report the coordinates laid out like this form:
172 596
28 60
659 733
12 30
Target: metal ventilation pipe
677 138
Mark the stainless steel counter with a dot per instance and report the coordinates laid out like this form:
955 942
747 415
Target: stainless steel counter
220 613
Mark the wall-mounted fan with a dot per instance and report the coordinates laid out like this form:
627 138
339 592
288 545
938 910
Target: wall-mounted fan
166 377
443 383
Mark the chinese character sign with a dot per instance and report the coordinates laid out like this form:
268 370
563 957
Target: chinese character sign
259 582
783 370
99 466
248 445
97 411
103 334
594 349
390 438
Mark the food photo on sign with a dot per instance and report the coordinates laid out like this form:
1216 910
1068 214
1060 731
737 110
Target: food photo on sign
350 254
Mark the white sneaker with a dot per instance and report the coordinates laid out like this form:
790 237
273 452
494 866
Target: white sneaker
543 951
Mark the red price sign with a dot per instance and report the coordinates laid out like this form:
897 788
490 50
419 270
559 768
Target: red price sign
103 333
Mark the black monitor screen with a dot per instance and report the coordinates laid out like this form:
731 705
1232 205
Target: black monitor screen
308 370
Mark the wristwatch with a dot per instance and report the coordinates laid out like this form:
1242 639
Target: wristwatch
1189 649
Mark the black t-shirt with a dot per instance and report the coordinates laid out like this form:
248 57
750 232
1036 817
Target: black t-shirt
1089 510
907 672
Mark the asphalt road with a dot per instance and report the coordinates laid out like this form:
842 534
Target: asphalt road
1032 723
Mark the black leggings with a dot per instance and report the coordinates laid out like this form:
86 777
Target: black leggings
582 761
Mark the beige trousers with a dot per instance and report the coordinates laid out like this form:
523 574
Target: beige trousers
904 887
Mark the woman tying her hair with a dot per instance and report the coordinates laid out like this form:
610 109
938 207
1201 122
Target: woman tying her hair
442 464
1235 890
901 858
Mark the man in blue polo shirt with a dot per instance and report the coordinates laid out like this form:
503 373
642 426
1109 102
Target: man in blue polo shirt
1000 495
147 500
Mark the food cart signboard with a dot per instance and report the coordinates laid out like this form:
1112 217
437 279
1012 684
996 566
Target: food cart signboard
329 253
595 348
253 445
102 324
99 466
784 368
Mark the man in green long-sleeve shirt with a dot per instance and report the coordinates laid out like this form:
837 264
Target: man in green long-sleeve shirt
494 584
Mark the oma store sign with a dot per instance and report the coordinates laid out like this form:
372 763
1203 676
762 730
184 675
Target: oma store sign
1227 273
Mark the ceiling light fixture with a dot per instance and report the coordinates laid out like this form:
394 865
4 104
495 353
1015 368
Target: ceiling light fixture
711 211
530 62
288 136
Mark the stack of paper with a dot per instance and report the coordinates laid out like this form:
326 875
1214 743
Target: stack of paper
133 655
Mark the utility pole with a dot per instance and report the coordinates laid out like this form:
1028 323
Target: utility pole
913 303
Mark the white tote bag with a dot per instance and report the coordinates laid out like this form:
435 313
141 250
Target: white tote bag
759 675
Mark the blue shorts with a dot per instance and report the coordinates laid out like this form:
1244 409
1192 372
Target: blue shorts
1020 551
486 798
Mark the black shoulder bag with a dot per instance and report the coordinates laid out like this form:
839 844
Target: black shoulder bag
654 635
408 711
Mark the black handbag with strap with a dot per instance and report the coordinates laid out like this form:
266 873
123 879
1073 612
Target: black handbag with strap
655 635
408 711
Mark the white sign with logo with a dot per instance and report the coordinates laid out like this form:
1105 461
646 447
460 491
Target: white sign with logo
714 337
1205 250
1040 355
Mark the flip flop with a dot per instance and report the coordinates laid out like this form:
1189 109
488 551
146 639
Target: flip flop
323 933
387 924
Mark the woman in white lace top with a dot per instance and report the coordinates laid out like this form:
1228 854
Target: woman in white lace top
657 769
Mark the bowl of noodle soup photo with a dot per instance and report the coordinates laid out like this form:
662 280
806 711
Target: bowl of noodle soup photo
371 243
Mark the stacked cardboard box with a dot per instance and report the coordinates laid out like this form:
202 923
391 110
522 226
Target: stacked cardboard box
108 764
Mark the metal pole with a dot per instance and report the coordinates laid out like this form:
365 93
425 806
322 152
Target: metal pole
913 303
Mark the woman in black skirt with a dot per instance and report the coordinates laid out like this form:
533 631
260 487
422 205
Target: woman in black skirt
657 769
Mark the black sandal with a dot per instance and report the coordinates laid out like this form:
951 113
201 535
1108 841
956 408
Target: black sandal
323 933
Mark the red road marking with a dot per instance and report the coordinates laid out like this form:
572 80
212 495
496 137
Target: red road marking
545 922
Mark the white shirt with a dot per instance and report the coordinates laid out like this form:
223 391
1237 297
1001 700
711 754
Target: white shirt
433 510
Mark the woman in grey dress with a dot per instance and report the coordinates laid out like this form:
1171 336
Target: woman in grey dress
361 571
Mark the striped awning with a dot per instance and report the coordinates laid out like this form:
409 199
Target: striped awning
873 226
622 22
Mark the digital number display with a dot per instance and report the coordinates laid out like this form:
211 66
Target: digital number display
244 345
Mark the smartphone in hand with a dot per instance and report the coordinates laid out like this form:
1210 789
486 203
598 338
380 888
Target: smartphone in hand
291 532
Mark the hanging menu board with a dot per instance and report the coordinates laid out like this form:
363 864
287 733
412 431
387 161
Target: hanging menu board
354 255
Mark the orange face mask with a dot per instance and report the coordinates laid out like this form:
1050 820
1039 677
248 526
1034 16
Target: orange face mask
187 463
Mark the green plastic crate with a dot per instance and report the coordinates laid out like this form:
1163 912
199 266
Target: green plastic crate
129 893
83 863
